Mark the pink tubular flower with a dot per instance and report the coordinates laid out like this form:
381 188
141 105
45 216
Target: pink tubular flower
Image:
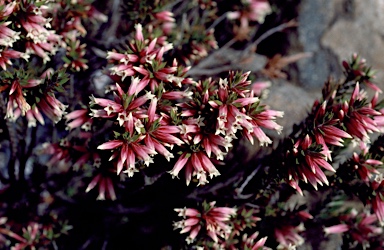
165 16
213 219
7 54
7 10
259 88
7 35
336 229
105 185
34 115
366 167
239 110
145 58
52 107
167 21
358 119
326 131
60 154
254 10
195 164
126 107
289 237
16 97
159 133
248 242
79 118
378 205
122 58
34 26
360 226
264 119
128 149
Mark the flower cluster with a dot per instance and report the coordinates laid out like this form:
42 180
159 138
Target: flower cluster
289 236
68 18
155 122
41 28
254 10
30 31
155 107
341 117
244 223
220 227
368 171
186 25
361 227
34 236
211 221
31 96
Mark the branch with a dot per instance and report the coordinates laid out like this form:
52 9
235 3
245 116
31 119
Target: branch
246 182
12 140
280 28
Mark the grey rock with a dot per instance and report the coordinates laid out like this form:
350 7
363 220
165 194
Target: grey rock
362 32
314 18
293 100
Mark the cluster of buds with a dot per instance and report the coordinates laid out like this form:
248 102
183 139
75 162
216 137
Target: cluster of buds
356 69
196 45
192 37
342 117
31 96
210 221
360 227
33 236
369 170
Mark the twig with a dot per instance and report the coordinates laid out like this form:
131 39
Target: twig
249 178
210 189
28 153
279 28
171 5
207 72
217 21
12 140
203 67
115 21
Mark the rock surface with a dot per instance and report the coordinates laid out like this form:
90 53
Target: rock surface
333 30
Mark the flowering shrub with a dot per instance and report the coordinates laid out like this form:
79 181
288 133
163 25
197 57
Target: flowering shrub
96 108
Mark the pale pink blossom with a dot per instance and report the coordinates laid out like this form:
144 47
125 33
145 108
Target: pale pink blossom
289 236
213 219
336 229
78 118
105 187
128 151
7 35
195 164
